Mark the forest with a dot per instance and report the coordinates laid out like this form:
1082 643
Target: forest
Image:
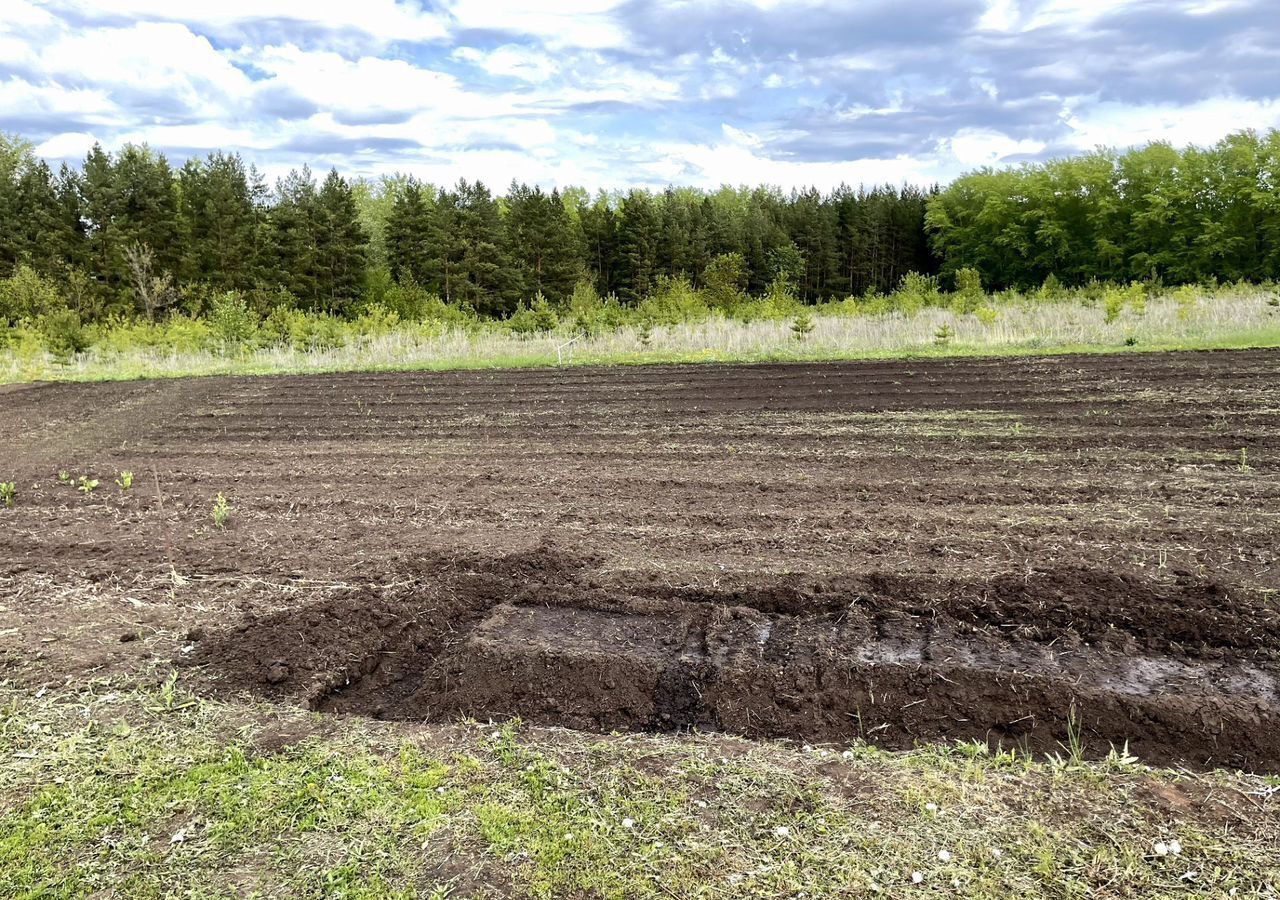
127 235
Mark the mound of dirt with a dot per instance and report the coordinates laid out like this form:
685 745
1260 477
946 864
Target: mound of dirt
892 659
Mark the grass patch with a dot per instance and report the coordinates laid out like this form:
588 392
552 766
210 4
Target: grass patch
110 788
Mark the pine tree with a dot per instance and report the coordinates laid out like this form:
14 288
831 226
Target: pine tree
408 236
341 245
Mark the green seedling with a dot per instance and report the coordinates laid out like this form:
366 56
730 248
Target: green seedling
942 337
125 481
8 491
87 485
221 510
64 476
1244 460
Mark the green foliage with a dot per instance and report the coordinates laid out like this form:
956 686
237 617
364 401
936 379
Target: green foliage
125 481
802 325
969 294
221 510
63 334
536 318
231 321
87 485
1152 213
943 335
915 292
8 493
27 295
1116 298
724 282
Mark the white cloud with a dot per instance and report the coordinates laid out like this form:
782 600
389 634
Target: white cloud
21 99
512 60
386 20
972 147
70 145
1116 125
163 60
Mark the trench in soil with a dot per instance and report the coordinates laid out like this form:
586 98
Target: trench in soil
774 662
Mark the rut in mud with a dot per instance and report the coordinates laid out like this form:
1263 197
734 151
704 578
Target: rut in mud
890 659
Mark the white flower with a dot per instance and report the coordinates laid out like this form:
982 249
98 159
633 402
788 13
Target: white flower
628 822
782 831
944 855
931 807
1162 849
917 877
996 853
440 790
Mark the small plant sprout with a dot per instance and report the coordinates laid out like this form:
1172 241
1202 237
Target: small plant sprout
8 491
942 337
125 481
64 476
87 485
1244 460
221 510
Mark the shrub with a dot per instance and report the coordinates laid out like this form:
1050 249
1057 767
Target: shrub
27 295
538 318
231 321
63 334
724 282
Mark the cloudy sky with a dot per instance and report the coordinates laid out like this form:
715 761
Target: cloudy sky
604 93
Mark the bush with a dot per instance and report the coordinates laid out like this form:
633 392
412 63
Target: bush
27 295
538 318
63 334
724 282
231 321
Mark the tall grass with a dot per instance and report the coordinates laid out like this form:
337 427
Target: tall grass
1233 318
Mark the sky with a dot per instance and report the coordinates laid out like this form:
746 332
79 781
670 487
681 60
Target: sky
621 93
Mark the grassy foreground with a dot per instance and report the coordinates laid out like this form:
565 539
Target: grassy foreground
1230 319
111 791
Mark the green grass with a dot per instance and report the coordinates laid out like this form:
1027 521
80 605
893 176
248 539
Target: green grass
1233 321
156 794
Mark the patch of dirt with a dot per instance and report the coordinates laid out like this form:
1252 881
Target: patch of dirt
540 636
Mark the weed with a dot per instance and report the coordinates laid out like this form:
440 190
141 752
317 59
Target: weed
1074 745
170 699
1244 460
87 485
64 477
125 481
8 491
221 510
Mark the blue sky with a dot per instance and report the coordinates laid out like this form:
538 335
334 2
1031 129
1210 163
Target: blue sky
608 94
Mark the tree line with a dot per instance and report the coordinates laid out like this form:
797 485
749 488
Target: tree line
128 233
1179 216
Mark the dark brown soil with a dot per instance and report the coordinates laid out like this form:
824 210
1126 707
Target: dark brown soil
890 551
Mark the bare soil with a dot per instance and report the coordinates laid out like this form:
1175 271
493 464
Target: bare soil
1002 550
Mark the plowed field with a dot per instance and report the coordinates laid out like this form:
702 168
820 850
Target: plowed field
1029 552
